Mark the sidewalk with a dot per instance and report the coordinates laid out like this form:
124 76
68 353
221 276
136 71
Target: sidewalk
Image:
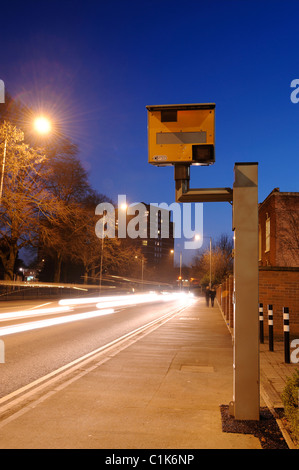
162 392
274 372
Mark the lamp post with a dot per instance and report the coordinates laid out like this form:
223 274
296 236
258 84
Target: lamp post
198 237
101 265
142 269
3 166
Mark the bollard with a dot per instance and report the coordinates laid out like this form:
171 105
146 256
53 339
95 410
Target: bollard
286 331
270 325
261 317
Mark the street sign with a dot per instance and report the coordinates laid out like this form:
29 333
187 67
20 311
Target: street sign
181 134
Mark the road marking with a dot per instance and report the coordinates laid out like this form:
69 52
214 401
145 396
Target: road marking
41 305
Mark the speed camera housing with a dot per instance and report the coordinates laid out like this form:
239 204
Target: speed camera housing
181 134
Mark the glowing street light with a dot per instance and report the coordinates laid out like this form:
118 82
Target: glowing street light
42 125
124 206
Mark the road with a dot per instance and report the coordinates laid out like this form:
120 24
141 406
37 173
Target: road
34 349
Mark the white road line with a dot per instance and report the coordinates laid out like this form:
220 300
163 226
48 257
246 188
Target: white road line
41 305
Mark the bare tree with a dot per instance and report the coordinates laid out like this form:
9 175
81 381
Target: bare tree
24 197
220 262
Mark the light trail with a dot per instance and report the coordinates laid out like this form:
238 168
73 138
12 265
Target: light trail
124 300
104 305
140 299
9 330
112 298
31 313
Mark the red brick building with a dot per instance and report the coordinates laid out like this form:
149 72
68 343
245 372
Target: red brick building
279 258
279 230
278 263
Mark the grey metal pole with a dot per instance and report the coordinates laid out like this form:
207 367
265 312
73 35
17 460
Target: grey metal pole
246 322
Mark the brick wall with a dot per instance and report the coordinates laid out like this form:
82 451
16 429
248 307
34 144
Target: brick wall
278 287
282 211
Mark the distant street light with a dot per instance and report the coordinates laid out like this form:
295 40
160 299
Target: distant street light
124 206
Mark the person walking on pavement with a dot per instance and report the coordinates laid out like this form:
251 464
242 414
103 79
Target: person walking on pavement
207 295
212 295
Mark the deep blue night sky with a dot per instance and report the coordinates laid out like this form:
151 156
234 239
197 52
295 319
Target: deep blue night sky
95 65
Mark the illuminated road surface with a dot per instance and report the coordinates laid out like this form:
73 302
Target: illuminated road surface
39 338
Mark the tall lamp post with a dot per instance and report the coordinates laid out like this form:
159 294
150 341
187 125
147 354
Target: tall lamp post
3 167
142 269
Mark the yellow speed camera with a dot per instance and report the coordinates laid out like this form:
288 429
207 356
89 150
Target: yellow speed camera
183 133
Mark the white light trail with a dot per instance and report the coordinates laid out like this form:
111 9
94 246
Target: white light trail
124 300
80 301
105 306
9 330
31 313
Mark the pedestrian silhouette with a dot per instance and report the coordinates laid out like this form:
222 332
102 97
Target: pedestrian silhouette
212 295
207 295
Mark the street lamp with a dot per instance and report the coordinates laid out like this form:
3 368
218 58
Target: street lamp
42 125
